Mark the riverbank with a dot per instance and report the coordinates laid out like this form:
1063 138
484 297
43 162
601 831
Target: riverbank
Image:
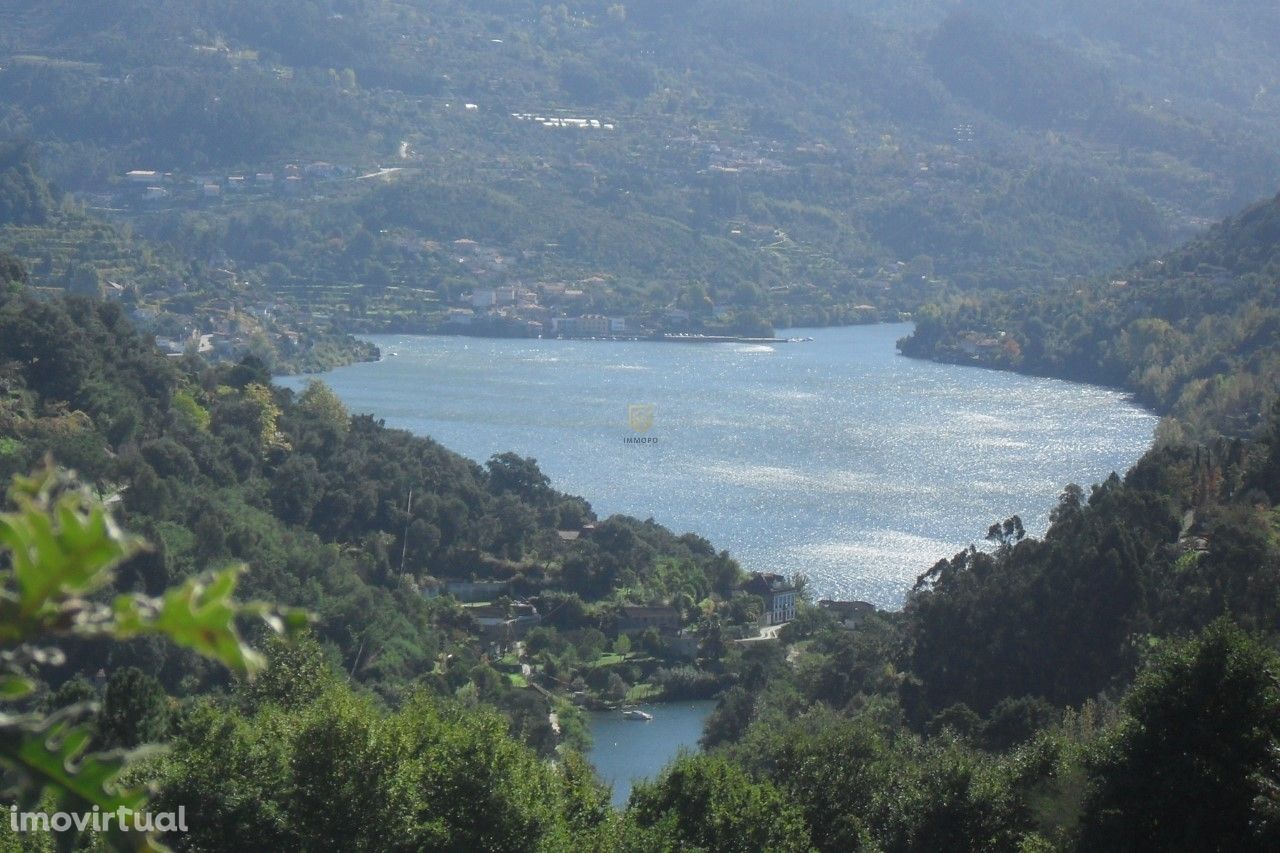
646 328
997 358
328 353
838 459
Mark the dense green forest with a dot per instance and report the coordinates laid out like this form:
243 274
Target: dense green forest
1192 333
794 163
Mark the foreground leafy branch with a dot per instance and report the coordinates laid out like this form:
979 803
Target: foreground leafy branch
58 547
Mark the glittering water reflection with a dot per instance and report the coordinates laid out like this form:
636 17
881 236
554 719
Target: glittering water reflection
837 457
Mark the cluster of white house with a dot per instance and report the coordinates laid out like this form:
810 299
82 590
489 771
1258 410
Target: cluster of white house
555 121
518 302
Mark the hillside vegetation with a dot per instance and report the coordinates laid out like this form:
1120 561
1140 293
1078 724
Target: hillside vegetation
1194 334
356 522
806 162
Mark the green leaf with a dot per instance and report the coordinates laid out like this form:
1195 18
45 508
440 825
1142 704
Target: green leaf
46 752
60 548
15 686
201 615
62 545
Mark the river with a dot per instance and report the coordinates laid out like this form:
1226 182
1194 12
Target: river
835 457
626 750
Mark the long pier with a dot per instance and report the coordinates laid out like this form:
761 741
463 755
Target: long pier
717 339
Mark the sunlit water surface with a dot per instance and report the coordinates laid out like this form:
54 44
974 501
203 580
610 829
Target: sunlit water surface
835 457
623 751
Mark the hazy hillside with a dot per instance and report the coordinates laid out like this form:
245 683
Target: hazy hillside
1203 54
794 160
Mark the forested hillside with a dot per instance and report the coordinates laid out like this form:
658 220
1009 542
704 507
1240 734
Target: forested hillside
359 524
1194 334
175 297
794 163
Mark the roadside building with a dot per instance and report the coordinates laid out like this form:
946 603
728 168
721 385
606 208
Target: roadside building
779 596
593 326
459 317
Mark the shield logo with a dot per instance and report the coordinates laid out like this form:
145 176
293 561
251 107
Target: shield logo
640 416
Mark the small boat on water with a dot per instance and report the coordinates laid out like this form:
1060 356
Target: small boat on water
636 714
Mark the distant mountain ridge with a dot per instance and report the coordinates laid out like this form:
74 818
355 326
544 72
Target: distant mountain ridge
796 161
